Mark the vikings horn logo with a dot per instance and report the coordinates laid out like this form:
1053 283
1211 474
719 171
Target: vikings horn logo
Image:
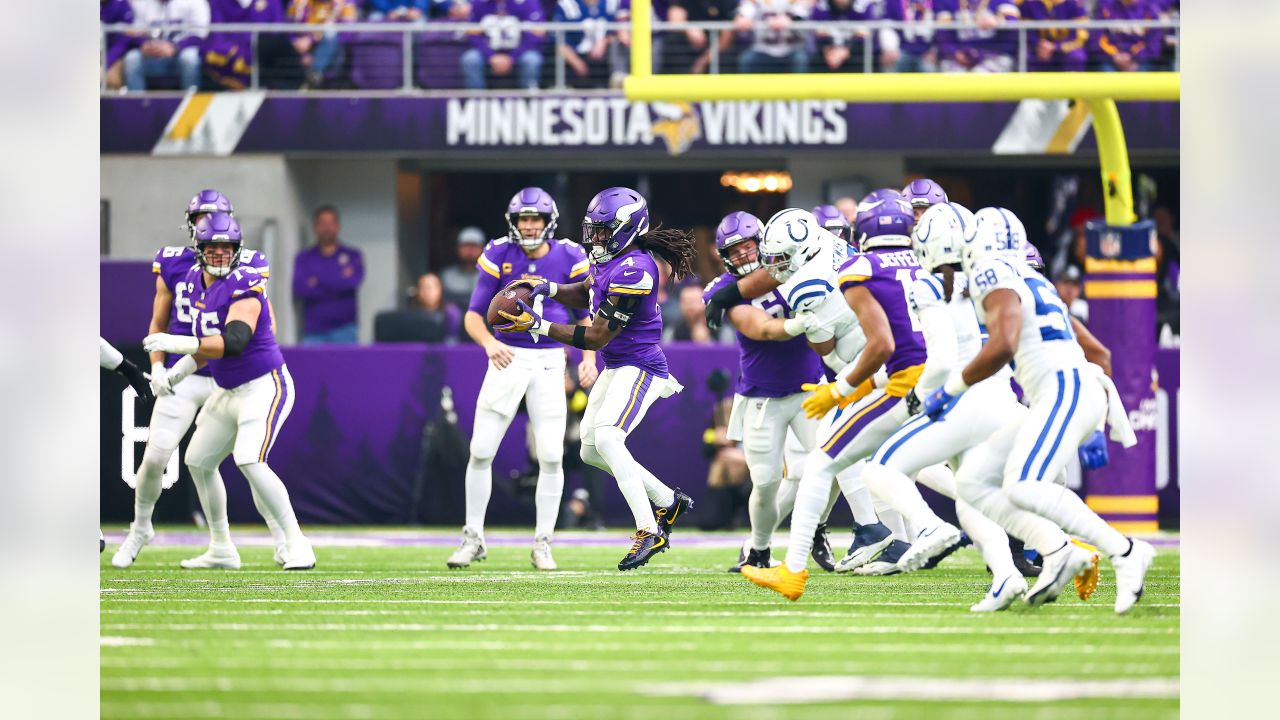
678 124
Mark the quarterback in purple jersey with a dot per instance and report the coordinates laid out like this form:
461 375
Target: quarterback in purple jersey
232 333
875 284
830 217
178 398
923 194
621 293
775 362
522 365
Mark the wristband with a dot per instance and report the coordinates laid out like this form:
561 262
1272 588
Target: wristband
955 385
580 337
552 289
843 386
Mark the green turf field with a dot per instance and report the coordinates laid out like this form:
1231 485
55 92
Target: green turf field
389 632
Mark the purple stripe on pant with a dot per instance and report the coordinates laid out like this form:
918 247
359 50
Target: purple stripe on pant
635 399
870 414
273 422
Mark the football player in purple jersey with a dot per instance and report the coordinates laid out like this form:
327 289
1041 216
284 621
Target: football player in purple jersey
178 398
830 217
621 293
522 367
923 194
775 362
232 333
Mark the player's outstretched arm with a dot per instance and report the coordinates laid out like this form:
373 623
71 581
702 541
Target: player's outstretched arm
759 325
753 285
1004 328
1094 351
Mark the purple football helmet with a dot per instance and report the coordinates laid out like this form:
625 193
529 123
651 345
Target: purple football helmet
217 228
615 217
734 229
884 223
1033 258
831 219
532 201
206 201
923 194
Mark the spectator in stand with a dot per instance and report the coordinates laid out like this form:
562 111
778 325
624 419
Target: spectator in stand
985 49
320 53
228 56
775 47
460 278
326 280
429 301
1168 271
115 12
396 10
1059 49
682 46
595 55
914 51
692 326
167 51
1067 283
1128 49
842 50
502 49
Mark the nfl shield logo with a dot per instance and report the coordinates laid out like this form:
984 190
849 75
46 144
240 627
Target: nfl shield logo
1110 244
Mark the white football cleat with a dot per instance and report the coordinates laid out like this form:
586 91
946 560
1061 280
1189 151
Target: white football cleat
1002 594
1060 568
930 543
298 555
471 550
541 554
1131 573
132 545
217 557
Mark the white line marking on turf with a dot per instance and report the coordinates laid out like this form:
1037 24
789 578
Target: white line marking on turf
624 629
788 690
118 641
603 601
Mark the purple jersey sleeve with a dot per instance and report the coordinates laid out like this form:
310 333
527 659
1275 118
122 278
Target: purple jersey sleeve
488 281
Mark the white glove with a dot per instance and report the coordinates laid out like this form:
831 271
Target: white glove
800 324
161 384
177 344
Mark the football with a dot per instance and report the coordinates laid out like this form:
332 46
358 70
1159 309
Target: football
505 301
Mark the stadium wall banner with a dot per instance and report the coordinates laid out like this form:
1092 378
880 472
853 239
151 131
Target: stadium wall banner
226 123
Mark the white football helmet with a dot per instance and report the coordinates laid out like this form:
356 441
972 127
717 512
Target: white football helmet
940 235
791 238
997 233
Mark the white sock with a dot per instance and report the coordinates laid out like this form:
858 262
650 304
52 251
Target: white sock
858 496
213 500
786 499
831 502
763 509
150 483
892 519
277 532
1068 512
275 498
659 494
479 486
546 500
989 537
811 498
900 493
611 444
939 479
1031 529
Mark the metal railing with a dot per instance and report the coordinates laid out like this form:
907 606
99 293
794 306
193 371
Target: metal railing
412 36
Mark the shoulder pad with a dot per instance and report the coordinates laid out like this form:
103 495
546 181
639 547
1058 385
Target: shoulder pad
857 269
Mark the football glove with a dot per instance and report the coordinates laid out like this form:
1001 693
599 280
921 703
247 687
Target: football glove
527 321
1093 452
825 397
136 379
160 383
538 287
177 344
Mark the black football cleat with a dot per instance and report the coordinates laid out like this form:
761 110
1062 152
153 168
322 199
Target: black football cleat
1020 560
668 515
643 547
933 563
821 553
753 557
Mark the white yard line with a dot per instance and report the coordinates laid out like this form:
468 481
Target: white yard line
611 602
118 641
789 690
631 628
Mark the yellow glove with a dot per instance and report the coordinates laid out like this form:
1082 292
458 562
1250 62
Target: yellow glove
825 397
861 391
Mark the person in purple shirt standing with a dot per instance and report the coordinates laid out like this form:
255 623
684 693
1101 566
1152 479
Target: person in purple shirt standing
522 366
501 47
1056 49
232 333
914 50
178 397
326 280
775 362
167 52
621 292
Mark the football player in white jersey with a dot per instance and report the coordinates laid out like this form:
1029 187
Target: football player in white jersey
1010 477
952 338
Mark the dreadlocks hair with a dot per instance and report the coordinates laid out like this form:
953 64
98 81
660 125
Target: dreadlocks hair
675 248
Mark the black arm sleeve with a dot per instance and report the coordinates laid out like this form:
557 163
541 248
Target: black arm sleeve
618 314
235 338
